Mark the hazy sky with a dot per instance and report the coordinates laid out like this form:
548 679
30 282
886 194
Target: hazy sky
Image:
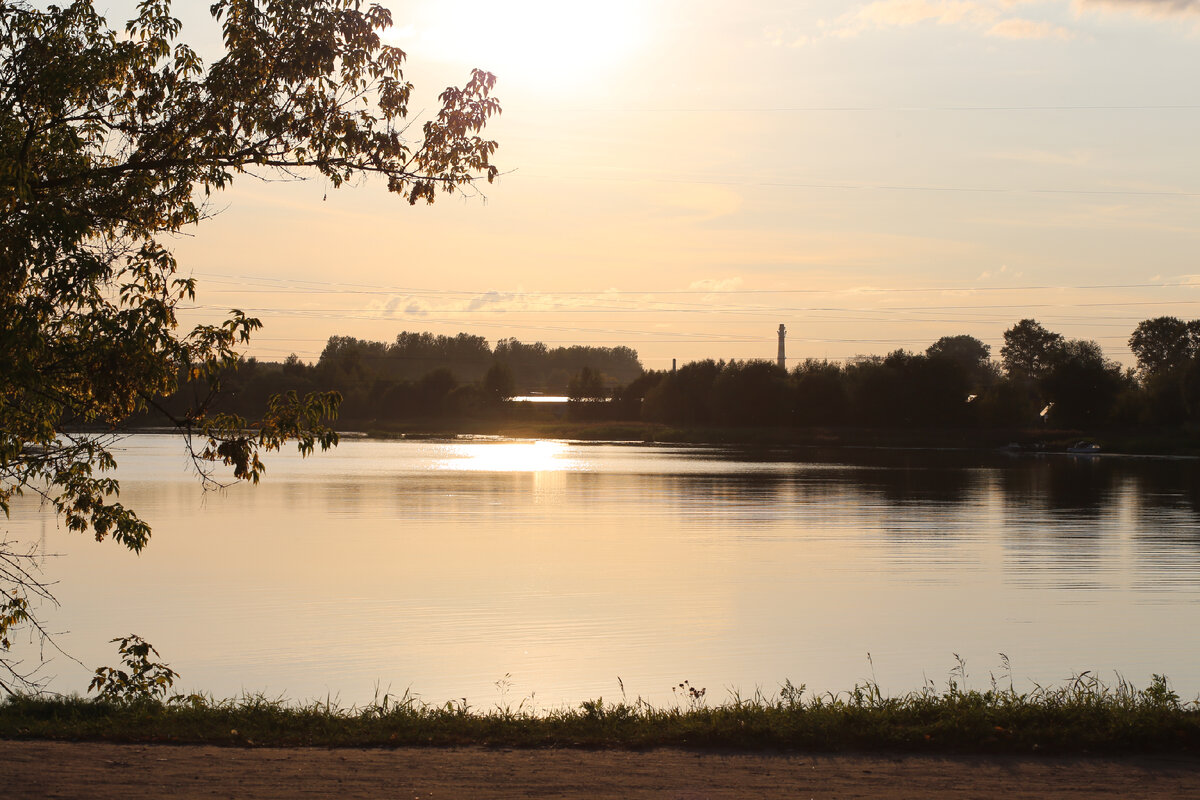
683 177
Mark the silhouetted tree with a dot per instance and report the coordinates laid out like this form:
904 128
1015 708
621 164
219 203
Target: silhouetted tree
627 401
293 366
873 387
584 391
433 389
587 384
684 397
498 383
112 141
1028 349
940 387
1009 402
535 367
1082 384
971 355
412 355
1164 343
751 393
819 393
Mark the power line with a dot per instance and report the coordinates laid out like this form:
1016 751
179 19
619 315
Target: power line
873 108
377 313
872 186
288 285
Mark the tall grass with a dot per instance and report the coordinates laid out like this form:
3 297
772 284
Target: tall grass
1085 715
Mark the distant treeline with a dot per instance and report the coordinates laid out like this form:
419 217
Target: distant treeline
422 375
467 358
1040 378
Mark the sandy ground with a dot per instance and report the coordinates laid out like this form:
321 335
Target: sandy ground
100 771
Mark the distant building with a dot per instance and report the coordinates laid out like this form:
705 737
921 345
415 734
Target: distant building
782 356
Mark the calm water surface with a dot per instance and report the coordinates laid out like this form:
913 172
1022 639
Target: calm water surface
499 570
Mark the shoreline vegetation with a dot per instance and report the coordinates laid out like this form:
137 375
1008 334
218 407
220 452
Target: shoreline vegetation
1084 716
1163 442
1177 443
1045 392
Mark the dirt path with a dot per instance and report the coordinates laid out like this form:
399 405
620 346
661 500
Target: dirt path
101 771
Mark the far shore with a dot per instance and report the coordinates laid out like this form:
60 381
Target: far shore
1182 443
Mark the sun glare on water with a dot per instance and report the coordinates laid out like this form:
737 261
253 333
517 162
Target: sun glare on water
510 457
534 42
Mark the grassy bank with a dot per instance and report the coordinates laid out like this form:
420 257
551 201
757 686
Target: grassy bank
1084 716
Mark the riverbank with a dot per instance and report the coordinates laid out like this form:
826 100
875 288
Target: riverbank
1178 442
1084 716
1174 442
118 772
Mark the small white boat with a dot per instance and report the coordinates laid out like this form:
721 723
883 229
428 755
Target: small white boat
1084 448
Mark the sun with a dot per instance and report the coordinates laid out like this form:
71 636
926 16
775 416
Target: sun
534 42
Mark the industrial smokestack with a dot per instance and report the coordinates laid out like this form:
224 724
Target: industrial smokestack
782 357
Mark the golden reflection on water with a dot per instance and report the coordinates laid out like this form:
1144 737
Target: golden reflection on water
443 566
538 456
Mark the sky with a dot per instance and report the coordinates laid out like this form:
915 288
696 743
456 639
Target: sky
682 178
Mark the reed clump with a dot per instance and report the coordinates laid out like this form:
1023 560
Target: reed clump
1085 715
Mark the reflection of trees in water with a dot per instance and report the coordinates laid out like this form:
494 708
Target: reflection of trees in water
725 500
1083 486
1094 486
1157 547
848 486
898 475
1058 523
1064 523
1070 521
1164 497
915 506
1167 484
916 485
485 496
1052 512
1063 518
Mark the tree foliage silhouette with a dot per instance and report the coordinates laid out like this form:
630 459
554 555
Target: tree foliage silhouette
1028 349
1164 343
111 141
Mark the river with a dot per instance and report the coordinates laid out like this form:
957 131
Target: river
550 572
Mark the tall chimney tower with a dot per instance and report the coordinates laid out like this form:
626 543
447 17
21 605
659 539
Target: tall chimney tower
782 357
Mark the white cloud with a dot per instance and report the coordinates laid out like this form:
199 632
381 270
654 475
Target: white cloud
716 285
1071 158
1016 28
493 299
904 13
785 36
1149 8
1002 272
943 12
988 17
399 304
